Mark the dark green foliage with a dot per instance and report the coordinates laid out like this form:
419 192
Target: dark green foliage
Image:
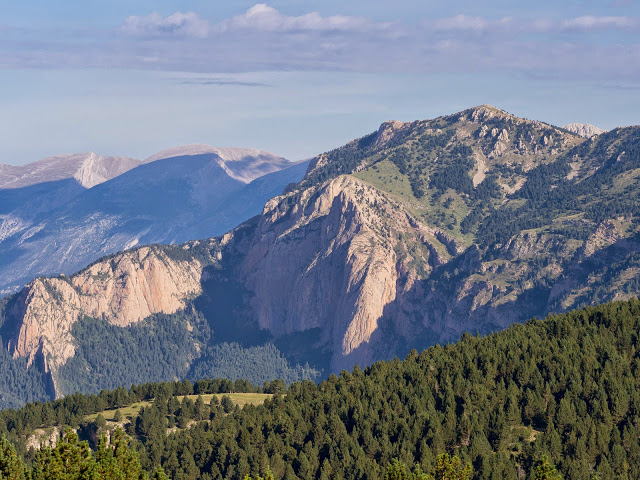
570 381
488 189
546 471
71 459
160 348
19 384
188 252
469 399
451 468
549 193
72 409
341 161
542 178
256 364
396 470
455 176
163 348
11 466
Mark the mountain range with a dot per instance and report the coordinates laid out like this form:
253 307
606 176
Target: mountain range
63 212
404 238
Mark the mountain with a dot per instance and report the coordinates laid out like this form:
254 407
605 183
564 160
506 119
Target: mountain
401 239
584 129
179 194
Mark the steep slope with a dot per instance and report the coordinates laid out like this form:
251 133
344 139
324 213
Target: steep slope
121 291
328 259
464 223
174 196
423 230
31 191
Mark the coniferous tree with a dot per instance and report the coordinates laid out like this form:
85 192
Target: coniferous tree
546 471
11 466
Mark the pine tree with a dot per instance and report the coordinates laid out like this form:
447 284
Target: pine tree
450 468
11 467
546 471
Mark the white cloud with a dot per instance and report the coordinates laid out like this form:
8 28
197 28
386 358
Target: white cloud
262 17
467 23
598 23
264 39
178 24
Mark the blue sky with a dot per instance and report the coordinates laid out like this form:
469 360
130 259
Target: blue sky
300 77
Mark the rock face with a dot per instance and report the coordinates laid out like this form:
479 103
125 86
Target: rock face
348 257
122 290
328 261
584 129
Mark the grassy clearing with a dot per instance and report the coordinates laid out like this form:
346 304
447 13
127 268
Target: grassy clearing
240 399
131 411
445 211
385 176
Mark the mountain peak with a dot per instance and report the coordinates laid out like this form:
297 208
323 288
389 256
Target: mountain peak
584 129
88 168
242 164
486 112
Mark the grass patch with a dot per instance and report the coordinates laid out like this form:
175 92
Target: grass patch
131 411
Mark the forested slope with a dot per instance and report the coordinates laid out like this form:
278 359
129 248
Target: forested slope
566 387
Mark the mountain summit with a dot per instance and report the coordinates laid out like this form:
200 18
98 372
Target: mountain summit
242 164
584 129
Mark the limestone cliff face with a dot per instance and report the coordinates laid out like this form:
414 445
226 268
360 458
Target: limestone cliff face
121 290
348 259
334 258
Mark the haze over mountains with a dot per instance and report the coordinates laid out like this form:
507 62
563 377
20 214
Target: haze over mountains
60 213
408 236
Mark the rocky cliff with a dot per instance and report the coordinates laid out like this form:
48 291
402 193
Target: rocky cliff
466 223
121 290
334 258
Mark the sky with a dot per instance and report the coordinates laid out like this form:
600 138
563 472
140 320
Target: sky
298 77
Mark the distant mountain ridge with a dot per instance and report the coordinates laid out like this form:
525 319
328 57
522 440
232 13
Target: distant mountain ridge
63 212
88 169
242 164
